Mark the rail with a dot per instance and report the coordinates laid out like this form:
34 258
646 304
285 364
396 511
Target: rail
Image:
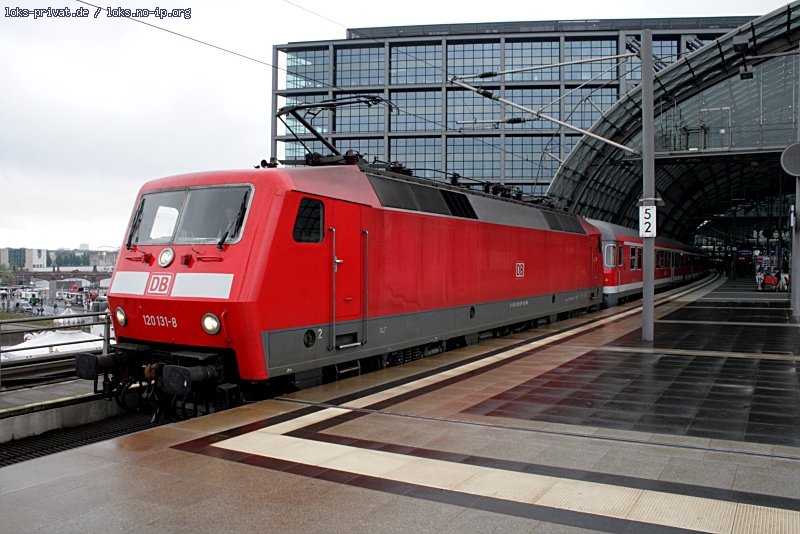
56 358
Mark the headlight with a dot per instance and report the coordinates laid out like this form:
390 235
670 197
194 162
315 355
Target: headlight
210 323
165 257
122 318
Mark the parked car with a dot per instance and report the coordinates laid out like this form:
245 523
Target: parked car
23 306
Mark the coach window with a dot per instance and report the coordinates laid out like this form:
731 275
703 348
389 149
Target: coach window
610 255
308 224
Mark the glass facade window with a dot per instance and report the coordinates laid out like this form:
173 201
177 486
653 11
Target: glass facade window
474 157
320 121
526 158
595 70
538 99
423 154
584 106
529 54
754 113
359 66
436 125
368 148
294 150
16 257
416 111
569 143
532 190
359 118
472 58
466 106
665 52
306 69
416 64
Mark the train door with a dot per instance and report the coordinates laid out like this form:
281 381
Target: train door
596 266
671 267
345 235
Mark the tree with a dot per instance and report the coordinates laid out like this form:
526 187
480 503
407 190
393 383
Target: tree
6 276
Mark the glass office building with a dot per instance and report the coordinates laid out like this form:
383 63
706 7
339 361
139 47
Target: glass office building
436 127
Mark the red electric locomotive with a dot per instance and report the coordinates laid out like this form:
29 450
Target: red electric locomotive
244 276
675 263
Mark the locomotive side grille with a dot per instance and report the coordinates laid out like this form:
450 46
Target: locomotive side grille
571 224
553 221
394 194
429 199
409 196
459 205
563 223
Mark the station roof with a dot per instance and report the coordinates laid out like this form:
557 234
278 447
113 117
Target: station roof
696 183
702 24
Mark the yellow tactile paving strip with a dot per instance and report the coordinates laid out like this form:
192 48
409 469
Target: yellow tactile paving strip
653 507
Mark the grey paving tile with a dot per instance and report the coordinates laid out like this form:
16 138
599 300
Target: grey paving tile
700 472
768 481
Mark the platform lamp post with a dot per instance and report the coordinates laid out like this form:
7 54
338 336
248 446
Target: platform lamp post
790 162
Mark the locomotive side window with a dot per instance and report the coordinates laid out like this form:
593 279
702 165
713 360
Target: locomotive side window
308 224
610 255
633 258
621 260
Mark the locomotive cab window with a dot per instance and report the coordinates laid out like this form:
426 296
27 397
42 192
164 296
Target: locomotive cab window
309 221
192 215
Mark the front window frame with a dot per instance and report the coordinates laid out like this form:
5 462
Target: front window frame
214 219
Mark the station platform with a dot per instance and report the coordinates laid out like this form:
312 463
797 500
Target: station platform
579 426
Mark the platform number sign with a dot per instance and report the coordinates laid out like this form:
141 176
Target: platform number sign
647 221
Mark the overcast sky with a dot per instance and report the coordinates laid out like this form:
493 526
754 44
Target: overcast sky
92 108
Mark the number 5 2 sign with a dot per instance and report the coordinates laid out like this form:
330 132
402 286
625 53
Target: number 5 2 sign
647 221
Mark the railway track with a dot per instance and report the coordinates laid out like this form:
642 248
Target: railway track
68 438
36 371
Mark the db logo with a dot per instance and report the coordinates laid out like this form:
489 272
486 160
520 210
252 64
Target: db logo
520 269
159 284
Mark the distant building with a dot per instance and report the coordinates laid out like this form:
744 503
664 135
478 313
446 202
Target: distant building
36 259
434 126
13 257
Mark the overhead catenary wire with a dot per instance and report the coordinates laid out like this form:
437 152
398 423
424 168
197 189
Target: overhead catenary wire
268 64
445 127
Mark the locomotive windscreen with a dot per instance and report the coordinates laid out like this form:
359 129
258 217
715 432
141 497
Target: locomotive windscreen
192 215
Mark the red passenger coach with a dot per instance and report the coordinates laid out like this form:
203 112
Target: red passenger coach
245 276
675 263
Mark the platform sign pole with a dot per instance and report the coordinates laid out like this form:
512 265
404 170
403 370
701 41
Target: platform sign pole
790 162
648 207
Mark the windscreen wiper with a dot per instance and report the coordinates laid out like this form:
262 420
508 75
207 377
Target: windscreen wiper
137 219
236 224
